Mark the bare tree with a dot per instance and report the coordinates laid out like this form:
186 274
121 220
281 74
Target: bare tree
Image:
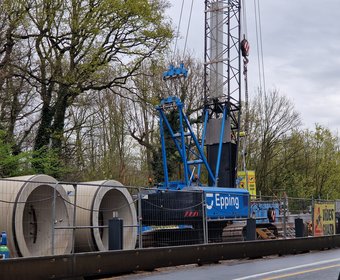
17 96
150 89
272 119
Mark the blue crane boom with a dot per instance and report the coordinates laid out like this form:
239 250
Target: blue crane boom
190 150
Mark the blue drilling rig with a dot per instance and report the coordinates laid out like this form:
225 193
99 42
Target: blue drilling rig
178 204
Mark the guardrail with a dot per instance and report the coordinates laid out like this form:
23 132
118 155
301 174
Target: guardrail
101 264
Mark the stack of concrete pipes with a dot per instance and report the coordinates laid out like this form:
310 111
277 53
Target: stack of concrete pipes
38 214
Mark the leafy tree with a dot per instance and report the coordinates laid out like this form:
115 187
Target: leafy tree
320 177
79 46
8 162
21 164
48 160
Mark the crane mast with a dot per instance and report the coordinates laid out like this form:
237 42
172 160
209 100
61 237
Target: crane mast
222 106
222 87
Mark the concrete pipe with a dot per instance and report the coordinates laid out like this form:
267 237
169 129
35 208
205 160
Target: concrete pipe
29 218
96 203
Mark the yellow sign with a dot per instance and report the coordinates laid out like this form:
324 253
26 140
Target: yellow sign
324 219
241 176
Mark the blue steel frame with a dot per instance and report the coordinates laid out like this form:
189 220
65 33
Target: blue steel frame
186 151
220 145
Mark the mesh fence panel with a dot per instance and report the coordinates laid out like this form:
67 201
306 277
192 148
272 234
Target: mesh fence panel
94 204
31 207
171 218
42 216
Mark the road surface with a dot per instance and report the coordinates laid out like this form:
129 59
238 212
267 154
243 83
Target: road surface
323 265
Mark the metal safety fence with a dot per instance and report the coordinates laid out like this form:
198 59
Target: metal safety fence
170 218
40 216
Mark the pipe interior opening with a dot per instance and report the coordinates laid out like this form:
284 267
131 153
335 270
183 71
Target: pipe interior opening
115 204
38 224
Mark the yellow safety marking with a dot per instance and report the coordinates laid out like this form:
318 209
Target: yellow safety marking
301 272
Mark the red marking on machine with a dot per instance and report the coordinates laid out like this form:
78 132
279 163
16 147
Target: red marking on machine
191 214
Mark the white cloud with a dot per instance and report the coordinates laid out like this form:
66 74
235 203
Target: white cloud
301 42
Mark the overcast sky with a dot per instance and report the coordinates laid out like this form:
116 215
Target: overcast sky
301 48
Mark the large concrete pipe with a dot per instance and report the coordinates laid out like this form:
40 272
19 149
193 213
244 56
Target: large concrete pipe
28 215
97 202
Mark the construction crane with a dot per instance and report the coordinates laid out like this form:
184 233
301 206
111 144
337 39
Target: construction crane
221 117
222 87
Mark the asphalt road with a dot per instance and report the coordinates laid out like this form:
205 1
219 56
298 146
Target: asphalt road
323 265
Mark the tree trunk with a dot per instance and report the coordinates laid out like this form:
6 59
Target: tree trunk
42 138
57 132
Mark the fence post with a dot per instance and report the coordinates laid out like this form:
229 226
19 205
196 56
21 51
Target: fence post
53 216
313 216
140 233
204 221
116 234
74 217
250 204
299 227
284 215
251 229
